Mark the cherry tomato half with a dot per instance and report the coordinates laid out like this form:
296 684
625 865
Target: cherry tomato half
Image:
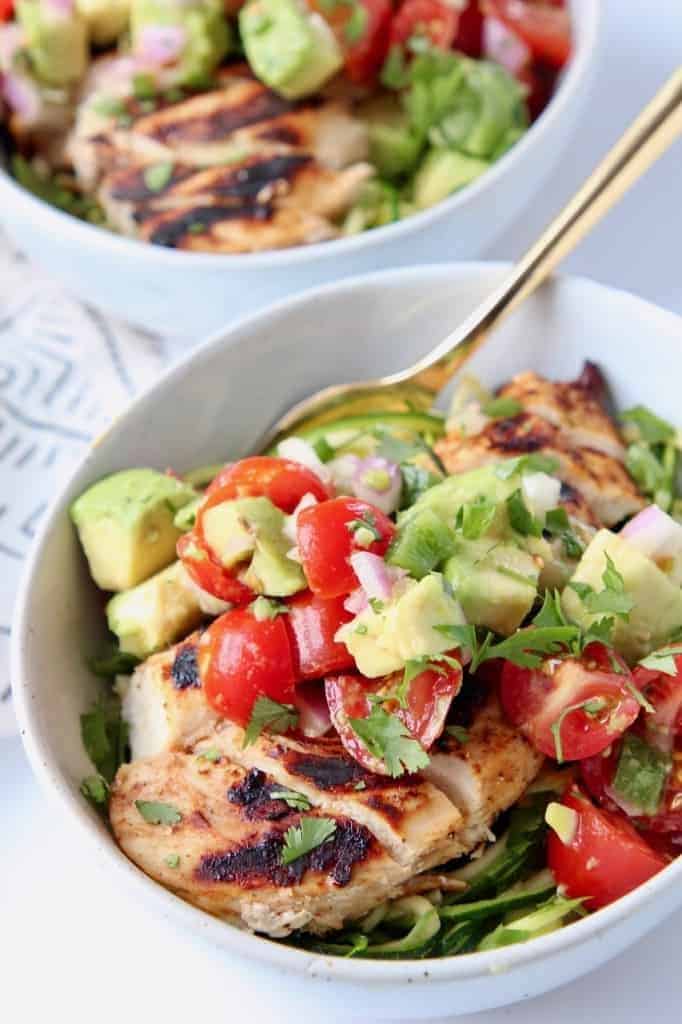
544 27
313 622
241 659
362 31
571 708
605 858
6 9
283 481
431 20
207 573
428 700
469 38
326 540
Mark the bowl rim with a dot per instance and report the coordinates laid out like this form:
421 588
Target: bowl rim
579 68
220 933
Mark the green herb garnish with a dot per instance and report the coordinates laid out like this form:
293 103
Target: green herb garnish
501 408
388 739
266 608
105 737
641 774
297 801
158 176
305 837
520 516
155 812
269 714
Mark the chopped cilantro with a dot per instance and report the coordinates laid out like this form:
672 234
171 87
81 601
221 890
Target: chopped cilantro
308 835
173 860
96 789
475 518
520 516
591 707
366 523
459 732
156 813
356 26
394 74
113 662
649 427
269 714
387 738
144 86
210 754
501 408
359 786
558 525
297 801
105 737
612 599
533 463
157 176
663 660
376 605
641 774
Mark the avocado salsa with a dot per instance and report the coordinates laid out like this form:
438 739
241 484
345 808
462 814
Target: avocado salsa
247 126
396 689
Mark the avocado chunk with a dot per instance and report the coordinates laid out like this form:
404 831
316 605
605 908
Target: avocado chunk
207 34
394 148
156 613
657 609
253 529
495 583
106 19
125 524
383 639
290 49
56 41
442 172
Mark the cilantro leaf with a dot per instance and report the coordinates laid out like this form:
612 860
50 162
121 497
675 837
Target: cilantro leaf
416 481
297 801
113 662
591 707
520 517
663 660
650 428
528 647
356 26
501 408
463 636
271 715
105 737
557 524
388 739
155 812
305 837
158 176
551 613
211 754
475 518
173 860
414 668
366 522
612 599
641 774
96 789
459 732
600 631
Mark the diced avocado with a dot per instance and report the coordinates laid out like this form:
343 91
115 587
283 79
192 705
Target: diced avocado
499 108
291 49
422 544
657 609
382 640
394 148
106 19
186 517
253 529
156 613
446 498
442 172
125 524
378 204
56 41
495 583
207 34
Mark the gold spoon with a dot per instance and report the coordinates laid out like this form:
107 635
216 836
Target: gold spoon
417 387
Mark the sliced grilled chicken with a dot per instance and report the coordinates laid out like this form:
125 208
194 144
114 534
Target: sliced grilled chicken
164 703
268 198
574 407
489 772
601 479
416 823
225 852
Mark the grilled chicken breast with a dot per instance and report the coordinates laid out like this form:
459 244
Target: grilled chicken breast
225 852
600 478
164 703
245 169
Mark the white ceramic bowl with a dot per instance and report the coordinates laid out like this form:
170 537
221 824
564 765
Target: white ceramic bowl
191 294
213 405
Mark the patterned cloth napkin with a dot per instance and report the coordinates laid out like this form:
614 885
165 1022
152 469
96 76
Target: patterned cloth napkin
65 371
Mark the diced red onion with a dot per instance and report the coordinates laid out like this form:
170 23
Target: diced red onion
311 702
377 579
541 493
343 470
658 536
386 498
502 46
22 96
356 602
161 44
298 450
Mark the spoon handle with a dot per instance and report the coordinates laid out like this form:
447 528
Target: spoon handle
649 136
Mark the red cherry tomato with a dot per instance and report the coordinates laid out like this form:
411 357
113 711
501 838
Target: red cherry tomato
362 31
431 20
570 707
605 858
544 27
207 573
242 659
6 9
283 481
428 699
469 38
661 729
313 622
326 541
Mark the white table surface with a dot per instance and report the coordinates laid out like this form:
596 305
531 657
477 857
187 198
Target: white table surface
70 946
